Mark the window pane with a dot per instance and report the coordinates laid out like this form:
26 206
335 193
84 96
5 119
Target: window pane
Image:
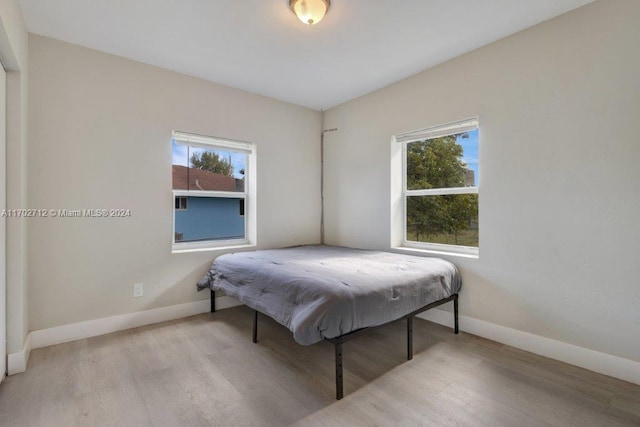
445 162
207 169
450 219
209 218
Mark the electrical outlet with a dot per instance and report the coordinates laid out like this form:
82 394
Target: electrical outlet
138 290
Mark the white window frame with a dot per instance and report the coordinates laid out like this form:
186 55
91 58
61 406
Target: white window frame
399 198
249 193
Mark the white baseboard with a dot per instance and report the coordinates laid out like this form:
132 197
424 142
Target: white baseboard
106 325
607 364
603 363
17 362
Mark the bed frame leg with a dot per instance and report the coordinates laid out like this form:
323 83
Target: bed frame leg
339 390
255 326
410 338
213 301
455 313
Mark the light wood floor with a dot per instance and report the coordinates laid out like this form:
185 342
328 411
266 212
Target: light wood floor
204 370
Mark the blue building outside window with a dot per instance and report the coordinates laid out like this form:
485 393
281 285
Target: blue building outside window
210 218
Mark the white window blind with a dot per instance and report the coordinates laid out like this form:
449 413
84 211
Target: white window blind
207 142
438 131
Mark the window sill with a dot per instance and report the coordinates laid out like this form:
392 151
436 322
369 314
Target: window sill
437 252
185 250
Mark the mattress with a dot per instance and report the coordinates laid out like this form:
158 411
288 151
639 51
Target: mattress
321 292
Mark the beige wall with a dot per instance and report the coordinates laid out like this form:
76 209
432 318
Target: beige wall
100 137
559 105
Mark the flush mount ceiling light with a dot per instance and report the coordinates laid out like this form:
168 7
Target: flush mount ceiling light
310 11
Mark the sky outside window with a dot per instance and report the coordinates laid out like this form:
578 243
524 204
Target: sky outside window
182 154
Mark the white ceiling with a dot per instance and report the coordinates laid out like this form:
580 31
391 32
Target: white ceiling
261 47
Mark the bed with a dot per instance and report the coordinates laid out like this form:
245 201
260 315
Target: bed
334 293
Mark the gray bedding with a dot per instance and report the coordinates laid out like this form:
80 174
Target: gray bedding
323 292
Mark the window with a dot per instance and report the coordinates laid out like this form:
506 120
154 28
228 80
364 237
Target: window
213 182
181 203
440 187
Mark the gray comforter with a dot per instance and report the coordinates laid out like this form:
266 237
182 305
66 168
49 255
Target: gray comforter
325 291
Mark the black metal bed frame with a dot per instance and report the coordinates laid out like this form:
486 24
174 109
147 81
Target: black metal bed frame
338 341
